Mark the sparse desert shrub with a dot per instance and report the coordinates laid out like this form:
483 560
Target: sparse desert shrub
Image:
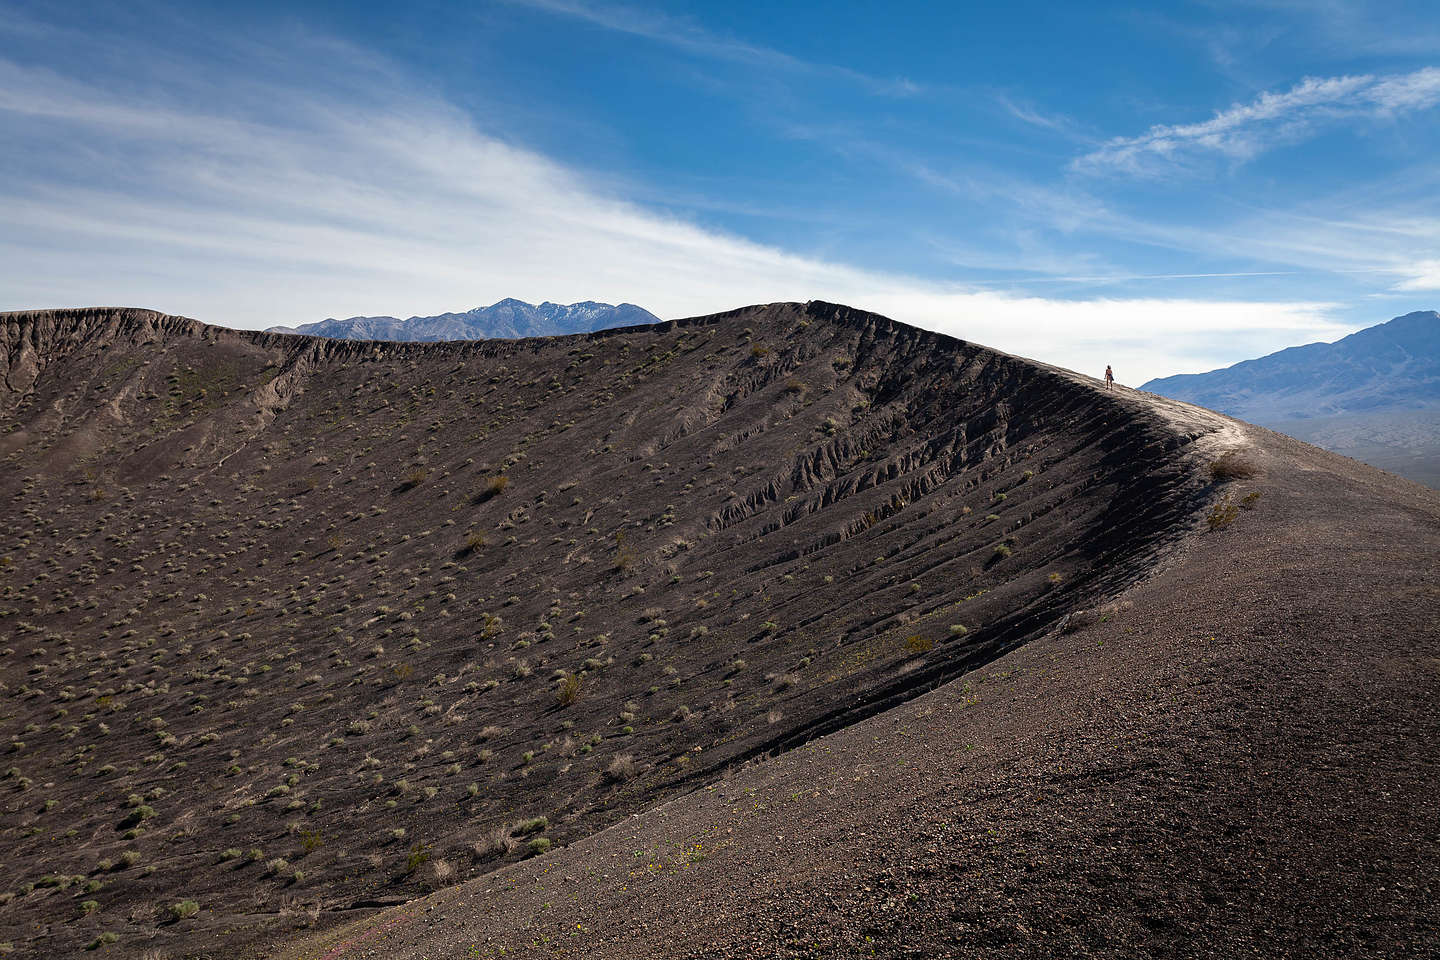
473 542
490 489
1248 501
184 910
1002 551
104 939
569 691
1083 618
499 843
439 874
919 644
139 815
527 827
622 767
275 866
624 555
958 630
1232 465
413 478
416 858
1222 514
538 845
88 907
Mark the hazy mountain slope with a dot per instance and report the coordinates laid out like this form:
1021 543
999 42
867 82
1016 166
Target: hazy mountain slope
278 639
1390 366
1374 395
507 319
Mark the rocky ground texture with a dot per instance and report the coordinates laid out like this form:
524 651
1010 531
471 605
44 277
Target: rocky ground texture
788 632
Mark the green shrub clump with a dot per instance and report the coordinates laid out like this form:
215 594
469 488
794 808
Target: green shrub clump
569 691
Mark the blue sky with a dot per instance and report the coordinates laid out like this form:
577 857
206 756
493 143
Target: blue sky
1165 187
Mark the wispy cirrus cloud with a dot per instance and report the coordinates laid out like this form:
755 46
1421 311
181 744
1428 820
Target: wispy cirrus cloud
692 38
1424 275
1245 130
1029 114
283 196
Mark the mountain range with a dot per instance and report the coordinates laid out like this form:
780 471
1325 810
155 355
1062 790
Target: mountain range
1374 395
507 319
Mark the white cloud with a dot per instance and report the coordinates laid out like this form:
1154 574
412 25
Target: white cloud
1245 130
1424 275
385 203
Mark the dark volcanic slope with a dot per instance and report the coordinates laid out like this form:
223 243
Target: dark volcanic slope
294 626
1239 762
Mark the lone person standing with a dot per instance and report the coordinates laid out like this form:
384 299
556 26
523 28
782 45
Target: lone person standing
1109 377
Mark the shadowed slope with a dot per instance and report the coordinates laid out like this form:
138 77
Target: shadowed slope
1238 762
316 623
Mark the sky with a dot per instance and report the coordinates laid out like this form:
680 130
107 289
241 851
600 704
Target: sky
1165 187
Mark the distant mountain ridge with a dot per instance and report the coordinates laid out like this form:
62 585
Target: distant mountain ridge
1391 366
1374 395
507 319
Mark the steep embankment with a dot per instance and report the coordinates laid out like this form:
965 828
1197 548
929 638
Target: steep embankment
295 627
1237 761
